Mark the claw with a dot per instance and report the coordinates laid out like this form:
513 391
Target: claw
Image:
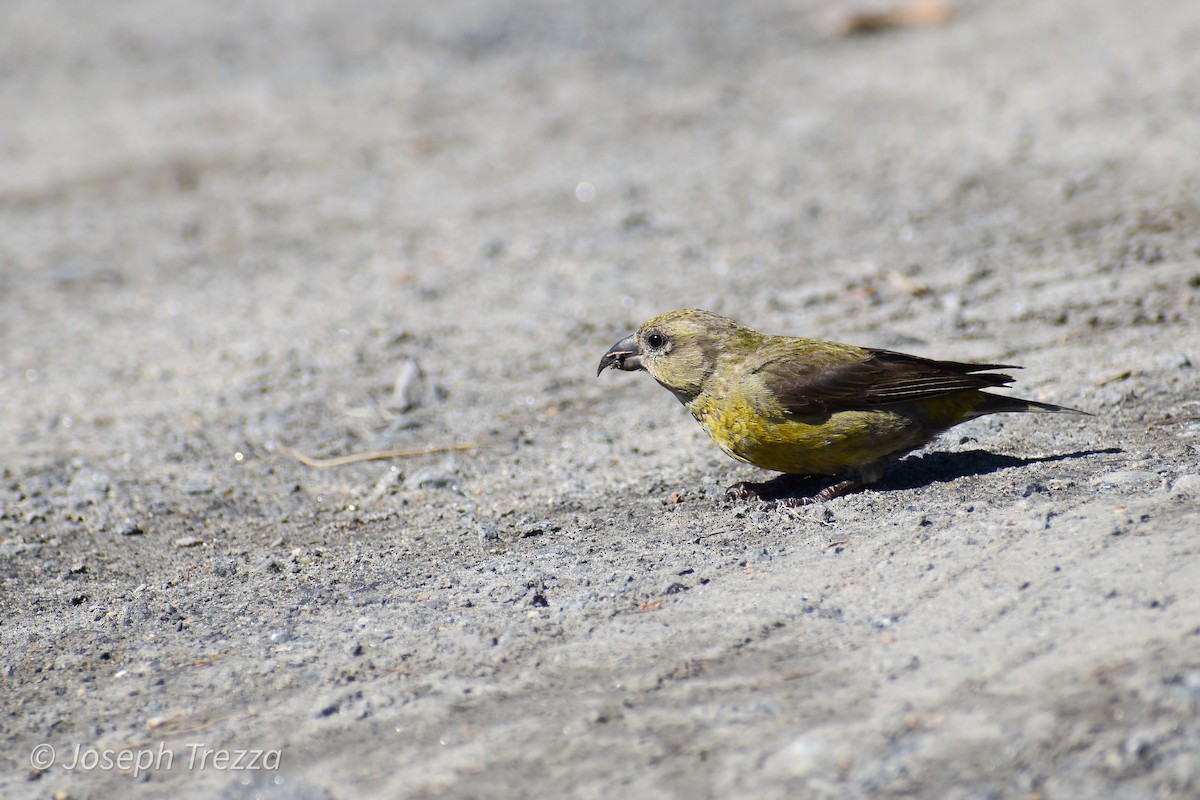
784 491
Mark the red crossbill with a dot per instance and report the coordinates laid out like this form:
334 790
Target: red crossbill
805 406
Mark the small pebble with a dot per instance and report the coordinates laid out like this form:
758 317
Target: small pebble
429 479
409 389
327 706
1186 486
801 758
530 527
1177 361
486 533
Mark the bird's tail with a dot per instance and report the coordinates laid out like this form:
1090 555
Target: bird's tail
997 403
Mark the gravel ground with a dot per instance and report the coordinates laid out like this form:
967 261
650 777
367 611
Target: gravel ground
231 231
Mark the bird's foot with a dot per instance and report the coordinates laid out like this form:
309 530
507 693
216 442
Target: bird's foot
745 490
778 488
789 491
828 493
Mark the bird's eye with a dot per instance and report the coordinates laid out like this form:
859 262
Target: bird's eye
656 340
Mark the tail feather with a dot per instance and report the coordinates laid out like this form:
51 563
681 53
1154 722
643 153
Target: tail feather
996 403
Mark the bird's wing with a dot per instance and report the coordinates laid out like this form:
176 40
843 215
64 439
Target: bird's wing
877 378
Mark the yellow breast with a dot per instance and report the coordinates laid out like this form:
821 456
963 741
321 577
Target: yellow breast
820 445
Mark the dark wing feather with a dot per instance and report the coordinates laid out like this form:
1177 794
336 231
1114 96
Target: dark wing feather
882 378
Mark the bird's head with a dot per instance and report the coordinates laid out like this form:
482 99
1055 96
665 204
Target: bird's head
681 349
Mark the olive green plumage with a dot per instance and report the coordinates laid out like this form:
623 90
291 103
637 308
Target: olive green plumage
805 406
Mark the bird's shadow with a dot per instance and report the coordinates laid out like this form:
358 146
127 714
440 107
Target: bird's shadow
916 471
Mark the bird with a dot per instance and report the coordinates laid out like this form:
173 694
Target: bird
807 407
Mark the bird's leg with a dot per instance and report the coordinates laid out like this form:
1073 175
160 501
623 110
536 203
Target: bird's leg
788 490
779 487
867 475
828 493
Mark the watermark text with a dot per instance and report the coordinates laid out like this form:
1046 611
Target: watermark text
155 758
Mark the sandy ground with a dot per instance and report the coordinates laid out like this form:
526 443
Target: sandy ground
231 229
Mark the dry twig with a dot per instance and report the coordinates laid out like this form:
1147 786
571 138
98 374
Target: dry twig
373 455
